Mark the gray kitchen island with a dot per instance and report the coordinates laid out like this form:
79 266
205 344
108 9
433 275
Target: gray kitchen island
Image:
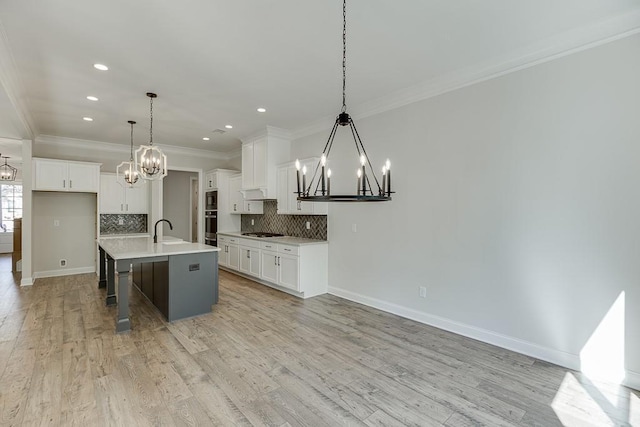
185 279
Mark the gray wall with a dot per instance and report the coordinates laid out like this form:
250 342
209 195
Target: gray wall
74 239
517 207
176 190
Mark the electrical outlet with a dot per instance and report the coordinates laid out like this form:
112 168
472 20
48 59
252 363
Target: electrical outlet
308 225
423 291
63 263
253 222
56 223
120 221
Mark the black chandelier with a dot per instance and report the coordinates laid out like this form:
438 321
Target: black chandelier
368 187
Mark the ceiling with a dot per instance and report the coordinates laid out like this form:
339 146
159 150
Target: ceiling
213 62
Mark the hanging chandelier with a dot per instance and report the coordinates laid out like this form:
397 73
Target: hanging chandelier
368 187
127 174
150 161
7 172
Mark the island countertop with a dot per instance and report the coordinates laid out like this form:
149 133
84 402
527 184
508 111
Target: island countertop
143 247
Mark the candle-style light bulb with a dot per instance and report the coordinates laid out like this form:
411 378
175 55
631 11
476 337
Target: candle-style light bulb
359 173
363 159
323 160
298 175
388 164
328 173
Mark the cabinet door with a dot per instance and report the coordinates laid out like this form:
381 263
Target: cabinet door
136 199
245 259
253 207
50 175
247 166
254 262
289 277
234 257
236 201
259 163
223 255
269 266
111 195
282 195
84 178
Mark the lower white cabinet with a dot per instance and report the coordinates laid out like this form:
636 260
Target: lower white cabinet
250 257
303 269
229 255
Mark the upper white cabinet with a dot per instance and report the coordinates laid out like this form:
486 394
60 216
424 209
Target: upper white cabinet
64 175
238 205
260 156
116 199
287 190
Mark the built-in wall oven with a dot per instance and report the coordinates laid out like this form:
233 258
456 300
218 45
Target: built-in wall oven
211 227
211 201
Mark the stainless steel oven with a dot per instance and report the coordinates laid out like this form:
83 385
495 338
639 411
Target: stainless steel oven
211 227
211 201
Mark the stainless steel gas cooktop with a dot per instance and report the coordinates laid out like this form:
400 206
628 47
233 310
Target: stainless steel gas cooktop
262 234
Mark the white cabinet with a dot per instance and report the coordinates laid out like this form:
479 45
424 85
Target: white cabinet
229 255
238 205
260 156
116 199
63 175
299 270
288 202
211 180
250 257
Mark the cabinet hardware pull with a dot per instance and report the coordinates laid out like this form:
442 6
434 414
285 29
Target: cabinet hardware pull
234 207
275 260
248 253
249 207
299 208
288 250
121 208
70 184
64 183
278 260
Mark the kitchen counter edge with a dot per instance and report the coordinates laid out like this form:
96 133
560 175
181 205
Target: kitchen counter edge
285 240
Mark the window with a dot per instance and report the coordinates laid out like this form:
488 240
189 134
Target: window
10 205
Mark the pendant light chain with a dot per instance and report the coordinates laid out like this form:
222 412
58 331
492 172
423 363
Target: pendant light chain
151 125
131 155
344 56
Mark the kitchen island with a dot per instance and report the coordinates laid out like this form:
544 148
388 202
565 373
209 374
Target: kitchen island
188 273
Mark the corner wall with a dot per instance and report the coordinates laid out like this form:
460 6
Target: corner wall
517 207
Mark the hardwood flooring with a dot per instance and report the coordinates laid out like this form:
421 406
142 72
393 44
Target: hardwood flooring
266 358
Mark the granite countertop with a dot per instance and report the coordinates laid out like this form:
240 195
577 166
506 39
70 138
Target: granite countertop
285 240
143 247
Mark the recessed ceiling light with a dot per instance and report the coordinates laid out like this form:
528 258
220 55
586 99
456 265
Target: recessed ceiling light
206 138
262 110
92 98
87 119
100 67
228 126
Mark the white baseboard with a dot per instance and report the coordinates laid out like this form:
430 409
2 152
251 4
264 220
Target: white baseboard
632 380
26 281
561 358
63 272
568 360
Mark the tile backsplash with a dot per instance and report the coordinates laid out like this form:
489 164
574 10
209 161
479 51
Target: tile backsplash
110 223
290 225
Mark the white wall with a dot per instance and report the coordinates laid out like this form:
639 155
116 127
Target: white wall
74 239
518 207
176 188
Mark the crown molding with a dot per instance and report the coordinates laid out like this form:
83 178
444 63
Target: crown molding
269 132
12 84
121 148
565 44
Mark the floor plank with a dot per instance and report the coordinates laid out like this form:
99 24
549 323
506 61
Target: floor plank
263 357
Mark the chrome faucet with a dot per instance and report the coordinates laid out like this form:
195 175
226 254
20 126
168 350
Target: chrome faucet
155 229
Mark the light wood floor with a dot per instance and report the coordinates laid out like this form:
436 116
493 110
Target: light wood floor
266 358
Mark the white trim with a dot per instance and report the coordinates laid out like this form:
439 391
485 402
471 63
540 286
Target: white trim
632 380
565 44
271 131
101 146
64 272
11 82
568 360
27 281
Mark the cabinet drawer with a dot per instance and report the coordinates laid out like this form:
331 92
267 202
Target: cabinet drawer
288 249
250 243
233 240
269 246
222 238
